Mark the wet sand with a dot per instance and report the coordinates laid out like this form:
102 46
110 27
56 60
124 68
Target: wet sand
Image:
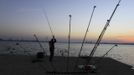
23 65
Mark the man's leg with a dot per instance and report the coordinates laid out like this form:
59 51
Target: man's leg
51 55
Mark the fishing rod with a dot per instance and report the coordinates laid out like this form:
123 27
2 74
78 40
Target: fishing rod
69 35
107 53
39 43
109 50
45 14
86 31
101 35
85 36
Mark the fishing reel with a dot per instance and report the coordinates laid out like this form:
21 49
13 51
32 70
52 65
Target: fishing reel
88 68
40 55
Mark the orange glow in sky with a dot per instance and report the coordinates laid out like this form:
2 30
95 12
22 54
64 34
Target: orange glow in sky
126 39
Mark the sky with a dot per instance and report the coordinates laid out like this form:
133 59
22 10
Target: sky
20 19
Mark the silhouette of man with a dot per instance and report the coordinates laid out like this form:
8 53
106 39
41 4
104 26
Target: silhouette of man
51 48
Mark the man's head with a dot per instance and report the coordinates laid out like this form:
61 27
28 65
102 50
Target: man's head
53 36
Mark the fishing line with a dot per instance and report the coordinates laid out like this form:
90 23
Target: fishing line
45 14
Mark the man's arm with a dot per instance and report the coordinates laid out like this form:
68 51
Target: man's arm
54 40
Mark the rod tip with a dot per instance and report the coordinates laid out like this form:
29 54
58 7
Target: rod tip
70 15
116 45
94 6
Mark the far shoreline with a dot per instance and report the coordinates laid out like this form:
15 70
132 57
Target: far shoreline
65 42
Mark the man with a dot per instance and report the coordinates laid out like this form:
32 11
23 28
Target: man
51 48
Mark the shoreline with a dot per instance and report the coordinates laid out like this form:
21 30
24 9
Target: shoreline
65 42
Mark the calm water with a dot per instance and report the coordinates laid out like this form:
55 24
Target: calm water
123 53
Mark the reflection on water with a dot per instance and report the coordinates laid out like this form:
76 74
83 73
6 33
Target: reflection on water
123 53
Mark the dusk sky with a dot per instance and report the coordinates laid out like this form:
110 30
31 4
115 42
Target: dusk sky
20 19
